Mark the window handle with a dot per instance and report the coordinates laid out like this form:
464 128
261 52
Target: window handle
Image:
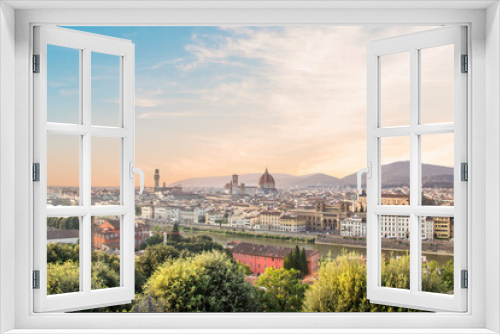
132 171
368 171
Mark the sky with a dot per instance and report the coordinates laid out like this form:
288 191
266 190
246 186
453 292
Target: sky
215 101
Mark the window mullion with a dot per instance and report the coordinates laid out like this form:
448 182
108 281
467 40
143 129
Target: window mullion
85 167
414 168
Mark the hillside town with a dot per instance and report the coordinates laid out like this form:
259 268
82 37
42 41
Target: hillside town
264 229
263 208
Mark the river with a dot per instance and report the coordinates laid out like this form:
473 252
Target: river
325 250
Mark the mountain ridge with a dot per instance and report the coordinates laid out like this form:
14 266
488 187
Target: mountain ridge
393 174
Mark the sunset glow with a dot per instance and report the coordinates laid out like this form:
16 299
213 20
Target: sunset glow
215 101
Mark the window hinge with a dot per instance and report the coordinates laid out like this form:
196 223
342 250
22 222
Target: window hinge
465 279
36 279
464 171
36 172
36 63
465 64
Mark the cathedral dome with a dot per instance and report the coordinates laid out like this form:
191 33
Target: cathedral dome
266 181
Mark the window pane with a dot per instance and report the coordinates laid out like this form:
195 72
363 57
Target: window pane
105 90
63 255
106 171
395 256
63 170
395 182
436 82
437 169
395 89
106 252
437 254
63 85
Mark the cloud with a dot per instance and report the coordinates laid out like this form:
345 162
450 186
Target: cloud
291 98
55 84
147 103
69 92
166 62
160 115
115 78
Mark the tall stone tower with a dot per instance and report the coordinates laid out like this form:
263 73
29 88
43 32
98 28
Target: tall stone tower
157 179
234 185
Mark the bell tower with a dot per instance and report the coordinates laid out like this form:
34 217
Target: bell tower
157 179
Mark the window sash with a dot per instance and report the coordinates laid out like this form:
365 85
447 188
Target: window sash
414 298
86 43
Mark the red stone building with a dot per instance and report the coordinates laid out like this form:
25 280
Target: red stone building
106 234
259 257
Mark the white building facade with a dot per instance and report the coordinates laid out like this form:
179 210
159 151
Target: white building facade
353 227
399 227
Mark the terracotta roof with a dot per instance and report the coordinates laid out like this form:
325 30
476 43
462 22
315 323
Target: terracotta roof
267 250
109 225
62 234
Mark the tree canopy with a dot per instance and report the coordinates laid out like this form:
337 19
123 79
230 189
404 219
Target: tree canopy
297 260
284 291
208 282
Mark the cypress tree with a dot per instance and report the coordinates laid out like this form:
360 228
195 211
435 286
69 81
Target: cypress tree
287 263
296 259
175 236
305 267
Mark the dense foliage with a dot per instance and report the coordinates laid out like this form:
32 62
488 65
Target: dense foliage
208 282
175 235
437 278
155 239
64 223
297 260
63 265
283 290
196 275
153 257
62 253
63 269
341 284
63 278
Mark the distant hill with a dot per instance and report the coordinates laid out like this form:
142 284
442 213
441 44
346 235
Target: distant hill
394 174
311 180
398 173
220 181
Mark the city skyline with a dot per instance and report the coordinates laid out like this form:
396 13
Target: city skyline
215 99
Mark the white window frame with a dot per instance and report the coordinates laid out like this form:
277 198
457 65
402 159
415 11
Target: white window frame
415 130
86 44
482 19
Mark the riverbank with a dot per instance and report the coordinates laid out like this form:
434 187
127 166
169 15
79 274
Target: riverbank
326 250
442 247
249 234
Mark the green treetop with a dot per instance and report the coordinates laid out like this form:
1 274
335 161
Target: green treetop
208 282
283 290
